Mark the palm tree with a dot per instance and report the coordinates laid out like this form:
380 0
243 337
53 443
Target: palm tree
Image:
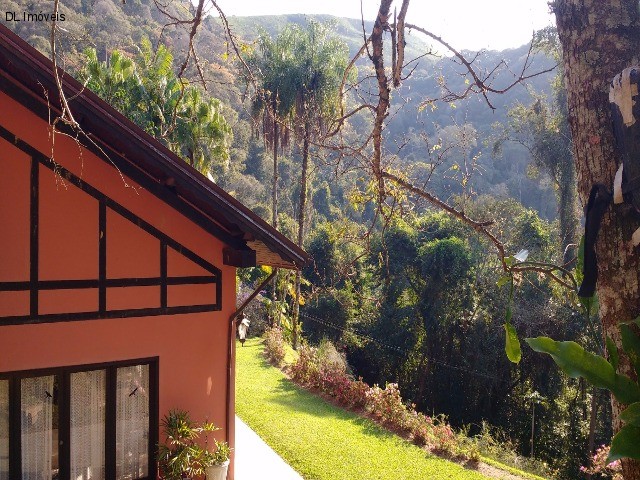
272 104
202 133
274 63
110 79
322 60
300 73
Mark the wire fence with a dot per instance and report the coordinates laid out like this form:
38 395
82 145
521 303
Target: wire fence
399 351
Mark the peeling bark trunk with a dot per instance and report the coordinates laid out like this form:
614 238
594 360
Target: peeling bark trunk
569 219
592 421
274 189
382 109
599 39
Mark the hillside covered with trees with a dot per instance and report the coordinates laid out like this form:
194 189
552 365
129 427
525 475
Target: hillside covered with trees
406 292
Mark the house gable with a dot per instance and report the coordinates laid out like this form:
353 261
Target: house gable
86 246
26 76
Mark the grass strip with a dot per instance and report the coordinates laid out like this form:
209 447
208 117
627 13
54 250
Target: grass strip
321 441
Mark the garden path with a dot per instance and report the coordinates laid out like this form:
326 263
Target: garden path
255 459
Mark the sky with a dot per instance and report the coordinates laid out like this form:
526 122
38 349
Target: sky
466 24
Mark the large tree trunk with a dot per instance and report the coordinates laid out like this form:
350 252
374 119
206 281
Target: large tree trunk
599 39
568 214
275 320
274 187
301 220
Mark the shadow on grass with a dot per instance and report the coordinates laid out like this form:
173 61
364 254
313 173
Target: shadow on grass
289 395
294 397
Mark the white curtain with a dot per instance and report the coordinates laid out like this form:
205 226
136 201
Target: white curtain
132 422
87 425
37 427
4 430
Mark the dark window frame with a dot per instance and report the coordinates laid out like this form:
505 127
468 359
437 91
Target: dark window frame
64 427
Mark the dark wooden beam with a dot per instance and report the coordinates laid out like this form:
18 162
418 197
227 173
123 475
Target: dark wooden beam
239 258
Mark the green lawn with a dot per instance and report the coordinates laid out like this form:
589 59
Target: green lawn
322 441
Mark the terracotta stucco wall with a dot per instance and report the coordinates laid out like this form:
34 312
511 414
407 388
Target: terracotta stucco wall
192 349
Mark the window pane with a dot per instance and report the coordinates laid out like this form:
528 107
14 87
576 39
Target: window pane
132 422
4 430
87 425
38 435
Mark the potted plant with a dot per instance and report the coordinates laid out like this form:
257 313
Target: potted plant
218 461
181 456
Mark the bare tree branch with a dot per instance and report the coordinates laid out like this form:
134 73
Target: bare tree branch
482 84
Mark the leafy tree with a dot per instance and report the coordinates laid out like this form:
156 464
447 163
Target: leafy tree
147 91
543 128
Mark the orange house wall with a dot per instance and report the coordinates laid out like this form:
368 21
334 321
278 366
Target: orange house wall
192 348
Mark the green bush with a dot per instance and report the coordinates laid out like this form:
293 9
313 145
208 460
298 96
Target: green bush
306 369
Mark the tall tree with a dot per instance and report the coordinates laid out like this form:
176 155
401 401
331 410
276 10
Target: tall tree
322 60
273 65
273 62
599 39
544 130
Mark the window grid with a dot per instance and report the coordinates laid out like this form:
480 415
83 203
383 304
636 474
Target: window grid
12 394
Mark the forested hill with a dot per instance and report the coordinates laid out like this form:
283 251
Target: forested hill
350 30
429 69
107 25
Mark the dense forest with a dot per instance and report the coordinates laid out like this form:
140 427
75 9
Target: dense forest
407 293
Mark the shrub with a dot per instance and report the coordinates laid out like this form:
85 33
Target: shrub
306 370
332 369
445 439
598 465
494 443
329 358
355 395
326 369
333 380
386 406
421 429
274 345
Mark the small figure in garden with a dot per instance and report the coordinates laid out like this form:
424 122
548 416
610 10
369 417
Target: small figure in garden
243 328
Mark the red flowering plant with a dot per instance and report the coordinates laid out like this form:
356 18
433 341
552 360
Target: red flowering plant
598 465
386 406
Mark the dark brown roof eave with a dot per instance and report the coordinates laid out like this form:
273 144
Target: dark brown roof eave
33 70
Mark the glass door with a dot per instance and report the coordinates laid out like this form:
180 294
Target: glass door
132 422
87 423
39 431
